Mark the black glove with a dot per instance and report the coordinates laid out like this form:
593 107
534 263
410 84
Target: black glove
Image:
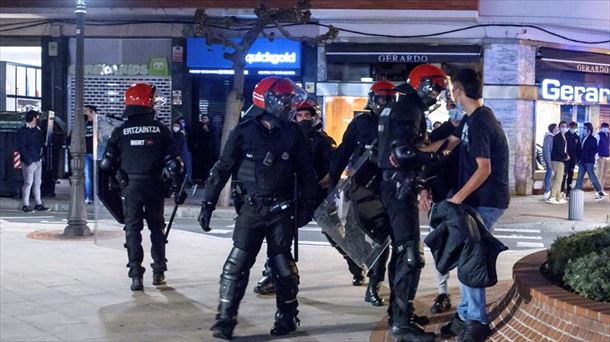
180 197
205 215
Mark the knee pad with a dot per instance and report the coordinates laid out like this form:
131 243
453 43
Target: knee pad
236 263
411 254
284 266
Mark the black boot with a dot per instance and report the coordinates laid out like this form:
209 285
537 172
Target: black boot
137 284
404 327
285 323
265 286
411 332
223 328
358 280
442 303
372 293
474 331
454 328
158 278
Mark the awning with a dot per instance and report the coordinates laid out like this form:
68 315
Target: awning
564 60
401 53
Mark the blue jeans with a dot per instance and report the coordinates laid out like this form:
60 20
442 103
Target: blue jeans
88 177
472 307
590 169
548 176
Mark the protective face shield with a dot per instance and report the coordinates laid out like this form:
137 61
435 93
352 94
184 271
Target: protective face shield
431 83
279 96
381 95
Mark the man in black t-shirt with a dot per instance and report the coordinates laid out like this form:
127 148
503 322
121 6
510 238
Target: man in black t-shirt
482 184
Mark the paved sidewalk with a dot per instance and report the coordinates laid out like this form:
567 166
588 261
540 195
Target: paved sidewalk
524 211
79 291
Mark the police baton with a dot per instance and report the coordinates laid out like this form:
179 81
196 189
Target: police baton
295 202
176 205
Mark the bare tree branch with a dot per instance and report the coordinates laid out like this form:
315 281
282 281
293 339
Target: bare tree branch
331 34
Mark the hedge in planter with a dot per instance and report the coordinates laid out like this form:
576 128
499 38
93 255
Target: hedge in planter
571 247
589 275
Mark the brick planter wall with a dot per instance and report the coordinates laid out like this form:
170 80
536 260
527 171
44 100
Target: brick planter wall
536 310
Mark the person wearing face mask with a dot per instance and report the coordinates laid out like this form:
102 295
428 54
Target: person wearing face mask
360 135
587 162
573 147
547 146
264 153
559 156
439 187
29 143
180 146
322 149
603 153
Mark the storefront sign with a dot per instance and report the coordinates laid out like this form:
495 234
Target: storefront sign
155 67
551 89
395 58
401 53
596 69
279 54
576 61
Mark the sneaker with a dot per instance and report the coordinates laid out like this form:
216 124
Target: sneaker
442 303
40 207
562 201
547 196
600 196
552 201
88 202
27 209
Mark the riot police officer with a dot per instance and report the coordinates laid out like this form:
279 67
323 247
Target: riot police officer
322 150
139 150
401 129
359 135
265 151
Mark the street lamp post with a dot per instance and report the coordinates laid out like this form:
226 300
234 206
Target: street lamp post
77 221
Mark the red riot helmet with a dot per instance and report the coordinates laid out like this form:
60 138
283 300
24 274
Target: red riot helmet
381 95
278 96
310 105
140 94
431 83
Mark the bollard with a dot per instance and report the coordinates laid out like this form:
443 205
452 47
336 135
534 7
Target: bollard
576 205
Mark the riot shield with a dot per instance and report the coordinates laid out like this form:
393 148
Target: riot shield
107 205
353 216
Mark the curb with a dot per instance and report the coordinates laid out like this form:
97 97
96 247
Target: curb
184 211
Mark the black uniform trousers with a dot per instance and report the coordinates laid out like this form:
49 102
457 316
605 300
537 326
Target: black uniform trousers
407 256
253 225
143 199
